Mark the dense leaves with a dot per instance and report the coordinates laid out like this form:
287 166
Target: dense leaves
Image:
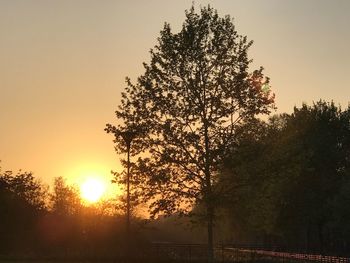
37 223
195 91
65 199
291 180
22 200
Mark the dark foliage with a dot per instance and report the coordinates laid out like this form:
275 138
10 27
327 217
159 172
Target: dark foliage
288 182
37 224
186 106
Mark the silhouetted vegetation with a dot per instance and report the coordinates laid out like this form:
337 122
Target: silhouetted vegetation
35 222
22 200
286 181
202 151
186 107
283 183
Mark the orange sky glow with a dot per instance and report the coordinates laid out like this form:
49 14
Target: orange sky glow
63 65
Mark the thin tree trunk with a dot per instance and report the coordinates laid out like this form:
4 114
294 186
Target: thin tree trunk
209 197
128 193
208 189
210 216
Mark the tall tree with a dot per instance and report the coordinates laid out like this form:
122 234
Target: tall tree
195 90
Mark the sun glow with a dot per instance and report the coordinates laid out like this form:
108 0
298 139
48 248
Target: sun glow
92 189
94 182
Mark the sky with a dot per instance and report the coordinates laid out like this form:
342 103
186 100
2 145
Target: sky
63 66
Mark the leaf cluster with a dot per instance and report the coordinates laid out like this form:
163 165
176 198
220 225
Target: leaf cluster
195 91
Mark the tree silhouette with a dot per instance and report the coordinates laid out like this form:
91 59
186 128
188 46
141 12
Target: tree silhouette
193 94
23 201
65 199
316 140
27 187
289 182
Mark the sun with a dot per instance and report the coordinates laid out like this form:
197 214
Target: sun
92 189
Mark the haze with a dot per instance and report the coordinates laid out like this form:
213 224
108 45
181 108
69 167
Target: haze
63 65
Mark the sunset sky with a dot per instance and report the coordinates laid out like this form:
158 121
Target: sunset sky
63 65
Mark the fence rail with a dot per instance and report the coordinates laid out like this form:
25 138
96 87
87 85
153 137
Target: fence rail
189 253
234 253
293 256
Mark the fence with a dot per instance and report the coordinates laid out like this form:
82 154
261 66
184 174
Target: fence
230 253
259 254
190 253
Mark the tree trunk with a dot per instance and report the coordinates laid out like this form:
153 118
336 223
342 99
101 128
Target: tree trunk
210 216
128 192
208 190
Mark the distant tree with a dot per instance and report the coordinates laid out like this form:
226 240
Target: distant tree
243 178
317 143
193 94
65 199
26 186
295 175
23 200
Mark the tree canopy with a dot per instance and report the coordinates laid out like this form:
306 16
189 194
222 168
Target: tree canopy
186 106
295 174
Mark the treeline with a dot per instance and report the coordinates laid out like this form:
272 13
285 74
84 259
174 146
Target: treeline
41 222
35 222
286 181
